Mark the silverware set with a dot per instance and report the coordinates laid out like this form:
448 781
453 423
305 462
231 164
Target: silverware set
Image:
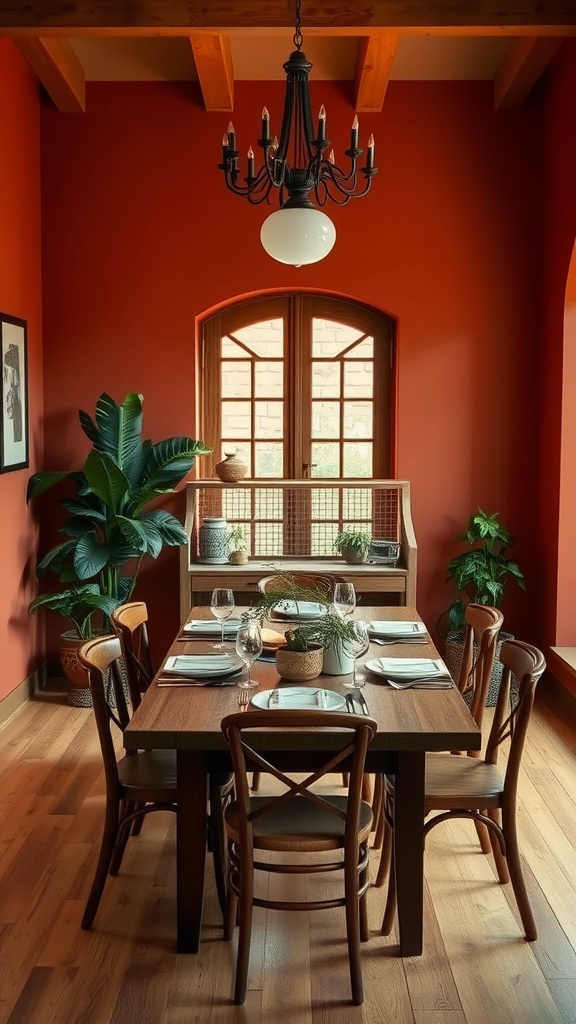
356 698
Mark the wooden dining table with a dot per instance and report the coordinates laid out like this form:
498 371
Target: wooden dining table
410 723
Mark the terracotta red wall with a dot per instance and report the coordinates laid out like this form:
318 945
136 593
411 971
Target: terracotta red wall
20 295
141 237
557 465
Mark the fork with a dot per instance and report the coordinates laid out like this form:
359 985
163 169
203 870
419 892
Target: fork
243 699
425 682
399 640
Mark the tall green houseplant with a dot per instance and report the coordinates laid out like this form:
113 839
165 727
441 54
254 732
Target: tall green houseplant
480 573
111 525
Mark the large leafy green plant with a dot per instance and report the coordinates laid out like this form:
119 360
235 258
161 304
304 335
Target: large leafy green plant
482 571
111 526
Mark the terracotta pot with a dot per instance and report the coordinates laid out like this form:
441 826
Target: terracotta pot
299 666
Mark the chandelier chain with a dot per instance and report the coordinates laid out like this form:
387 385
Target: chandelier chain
298 38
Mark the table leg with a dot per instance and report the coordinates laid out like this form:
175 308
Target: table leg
192 791
409 849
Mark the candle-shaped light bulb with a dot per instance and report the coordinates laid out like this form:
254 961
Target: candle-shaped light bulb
370 154
331 157
354 133
322 124
265 124
275 142
231 136
250 162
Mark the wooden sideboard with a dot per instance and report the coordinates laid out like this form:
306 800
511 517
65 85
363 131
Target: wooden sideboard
291 525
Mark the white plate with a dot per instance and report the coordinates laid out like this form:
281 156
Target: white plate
407 668
200 667
298 610
393 629
300 698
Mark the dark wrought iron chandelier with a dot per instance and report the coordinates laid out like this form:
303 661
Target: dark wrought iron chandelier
296 165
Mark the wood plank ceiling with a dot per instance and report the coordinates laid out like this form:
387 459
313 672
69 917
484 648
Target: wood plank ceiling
42 30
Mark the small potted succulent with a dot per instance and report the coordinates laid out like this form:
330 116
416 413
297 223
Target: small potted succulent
353 545
238 545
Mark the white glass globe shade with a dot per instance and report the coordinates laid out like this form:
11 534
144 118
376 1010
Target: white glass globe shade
298 235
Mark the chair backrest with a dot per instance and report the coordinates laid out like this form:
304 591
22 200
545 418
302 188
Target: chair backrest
482 625
100 657
357 733
129 622
523 666
300 581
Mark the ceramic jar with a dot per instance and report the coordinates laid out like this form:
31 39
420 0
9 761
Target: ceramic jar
213 541
232 468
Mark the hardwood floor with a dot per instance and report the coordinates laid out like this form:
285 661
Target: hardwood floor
476 966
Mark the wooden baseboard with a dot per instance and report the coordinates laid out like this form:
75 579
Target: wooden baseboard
23 693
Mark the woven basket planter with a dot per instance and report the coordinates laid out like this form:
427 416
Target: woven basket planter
299 666
453 659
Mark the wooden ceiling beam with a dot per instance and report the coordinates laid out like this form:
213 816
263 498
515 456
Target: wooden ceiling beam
373 69
58 69
213 60
520 69
159 17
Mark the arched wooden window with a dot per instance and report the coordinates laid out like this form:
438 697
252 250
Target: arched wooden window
301 386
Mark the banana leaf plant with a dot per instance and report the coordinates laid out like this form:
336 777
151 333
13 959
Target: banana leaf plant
110 526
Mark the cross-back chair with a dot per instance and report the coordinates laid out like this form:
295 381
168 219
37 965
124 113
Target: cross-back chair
130 623
299 821
141 781
466 787
482 624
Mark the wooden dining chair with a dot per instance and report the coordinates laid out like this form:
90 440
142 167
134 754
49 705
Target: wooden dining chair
139 782
130 623
482 625
299 821
469 787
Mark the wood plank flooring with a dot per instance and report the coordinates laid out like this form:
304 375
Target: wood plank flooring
476 966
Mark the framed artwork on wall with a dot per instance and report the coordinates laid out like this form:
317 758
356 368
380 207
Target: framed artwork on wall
14 395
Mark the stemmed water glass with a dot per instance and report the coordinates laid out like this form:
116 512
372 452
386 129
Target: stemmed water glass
221 606
356 646
249 647
344 599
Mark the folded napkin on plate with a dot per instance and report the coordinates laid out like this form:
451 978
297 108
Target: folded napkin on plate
208 627
391 629
196 664
293 698
412 668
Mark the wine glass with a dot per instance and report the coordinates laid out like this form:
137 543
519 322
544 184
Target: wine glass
221 606
249 647
344 599
356 646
